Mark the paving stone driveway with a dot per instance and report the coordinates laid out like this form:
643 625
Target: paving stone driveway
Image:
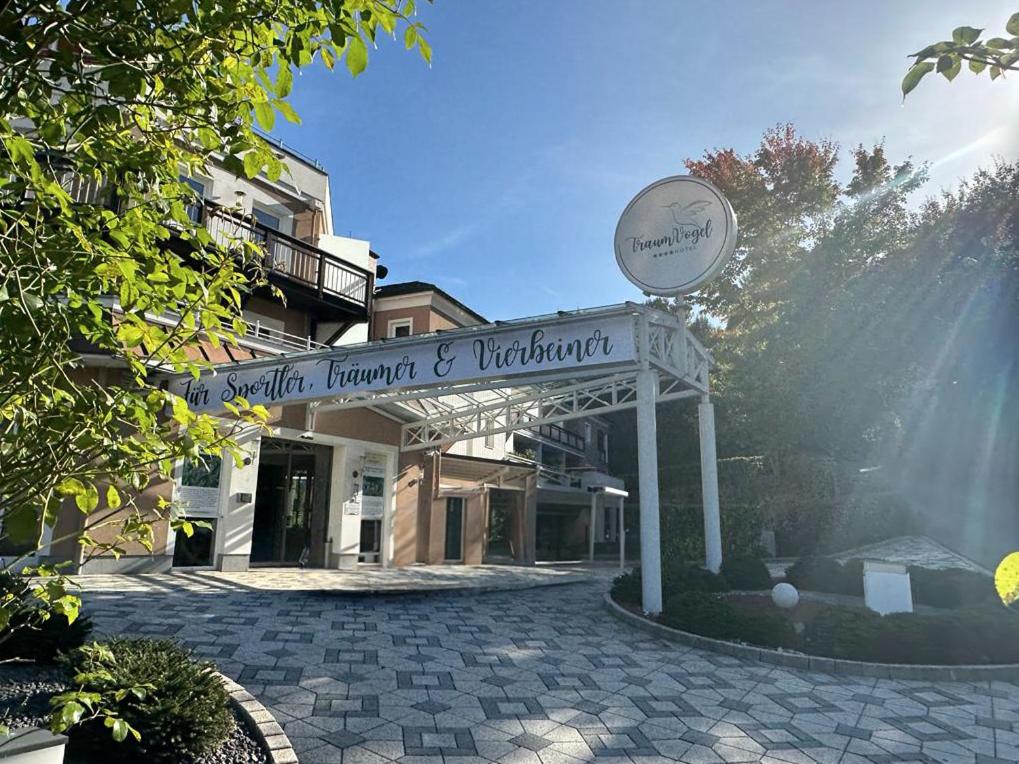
545 676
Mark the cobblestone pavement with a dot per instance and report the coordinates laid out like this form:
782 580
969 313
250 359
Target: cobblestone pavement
361 580
545 676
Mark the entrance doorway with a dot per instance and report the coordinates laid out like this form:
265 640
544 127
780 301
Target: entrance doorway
561 533
290 503
454 529
371 541
503 539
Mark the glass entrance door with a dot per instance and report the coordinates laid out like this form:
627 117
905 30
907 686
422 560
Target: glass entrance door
503 514
297 512
454 529
289 490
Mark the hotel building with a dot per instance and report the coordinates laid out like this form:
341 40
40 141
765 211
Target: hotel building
331 487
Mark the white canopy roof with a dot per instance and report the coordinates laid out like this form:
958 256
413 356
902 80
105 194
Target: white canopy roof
465 383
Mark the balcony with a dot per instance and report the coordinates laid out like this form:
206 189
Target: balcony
270 340
316 273
323 280
558 436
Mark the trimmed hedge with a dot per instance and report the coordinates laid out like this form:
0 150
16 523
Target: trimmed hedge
627 587
710 615
184 713
746 573
949 588
823 574
978 636
676 579
974 636
31 634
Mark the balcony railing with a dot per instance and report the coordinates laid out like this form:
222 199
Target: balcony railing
559 436
285 256
292 258
549 476
258 333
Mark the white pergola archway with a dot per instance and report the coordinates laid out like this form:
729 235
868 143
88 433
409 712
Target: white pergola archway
467 383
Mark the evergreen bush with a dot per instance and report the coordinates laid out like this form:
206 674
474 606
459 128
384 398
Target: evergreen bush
626 588
710 615
823 574
746 573
677 578
977 636
34 632
951 588
177 704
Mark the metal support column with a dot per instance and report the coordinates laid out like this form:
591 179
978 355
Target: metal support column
591 526
647 470
709 486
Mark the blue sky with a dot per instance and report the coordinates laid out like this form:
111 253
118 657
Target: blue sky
499 173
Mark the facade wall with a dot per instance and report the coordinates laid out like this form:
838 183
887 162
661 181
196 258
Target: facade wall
294 321
420 316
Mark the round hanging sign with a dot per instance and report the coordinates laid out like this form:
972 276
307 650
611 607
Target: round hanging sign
675 235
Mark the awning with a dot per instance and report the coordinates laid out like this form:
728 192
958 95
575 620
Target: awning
471 474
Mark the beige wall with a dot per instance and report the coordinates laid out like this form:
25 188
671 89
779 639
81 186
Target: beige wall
422 318
294 321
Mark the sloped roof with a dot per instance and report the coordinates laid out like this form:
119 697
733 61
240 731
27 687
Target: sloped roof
419 287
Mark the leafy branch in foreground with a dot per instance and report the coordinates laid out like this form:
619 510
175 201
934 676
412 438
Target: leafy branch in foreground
106 279
995 55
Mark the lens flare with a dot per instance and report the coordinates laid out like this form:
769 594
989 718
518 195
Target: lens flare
1006 579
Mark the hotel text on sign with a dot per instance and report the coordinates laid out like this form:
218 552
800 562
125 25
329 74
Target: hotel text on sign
485 354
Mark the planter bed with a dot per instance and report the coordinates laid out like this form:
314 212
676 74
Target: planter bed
25 690
796 659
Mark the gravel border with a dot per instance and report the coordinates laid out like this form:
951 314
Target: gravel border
262 723
1005 672
256 735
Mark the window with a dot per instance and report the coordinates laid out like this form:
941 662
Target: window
198 492
266 219
490 439
196 207
400 327
196 550
454 529
603 445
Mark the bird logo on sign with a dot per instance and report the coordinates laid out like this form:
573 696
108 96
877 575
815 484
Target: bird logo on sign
687 214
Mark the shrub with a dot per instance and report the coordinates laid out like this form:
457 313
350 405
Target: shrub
682 577
710 615
823 574
627 588
182 711
950 588
700 613
747 573
676 579
984 635
841 632
34 631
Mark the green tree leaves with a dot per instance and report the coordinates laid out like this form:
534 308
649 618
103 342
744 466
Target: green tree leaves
914 75
102 112
357 56
995 55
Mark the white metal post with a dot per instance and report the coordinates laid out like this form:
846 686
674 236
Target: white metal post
709 486
647 470
590 528
621 531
